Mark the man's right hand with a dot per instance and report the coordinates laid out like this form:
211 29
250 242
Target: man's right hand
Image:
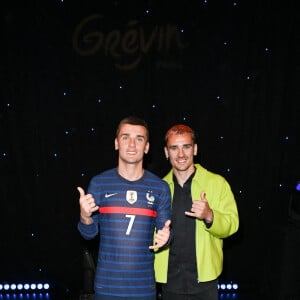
87 206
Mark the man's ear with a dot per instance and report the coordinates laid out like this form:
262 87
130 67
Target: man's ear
166 152
195 149
147 148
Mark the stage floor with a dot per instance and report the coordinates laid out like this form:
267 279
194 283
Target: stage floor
71 296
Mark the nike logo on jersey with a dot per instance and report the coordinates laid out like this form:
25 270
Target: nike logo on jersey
109 195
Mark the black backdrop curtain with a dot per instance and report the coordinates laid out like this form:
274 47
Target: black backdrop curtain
70 71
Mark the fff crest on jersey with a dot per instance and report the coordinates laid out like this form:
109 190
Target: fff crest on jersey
131 196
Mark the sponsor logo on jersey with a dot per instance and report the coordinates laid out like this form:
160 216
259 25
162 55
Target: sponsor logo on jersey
109 195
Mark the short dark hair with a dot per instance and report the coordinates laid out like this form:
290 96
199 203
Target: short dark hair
134 120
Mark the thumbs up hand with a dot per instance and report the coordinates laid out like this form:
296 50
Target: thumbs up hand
162 236
87 206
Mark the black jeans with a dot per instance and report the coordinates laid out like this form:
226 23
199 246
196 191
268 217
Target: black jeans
208 291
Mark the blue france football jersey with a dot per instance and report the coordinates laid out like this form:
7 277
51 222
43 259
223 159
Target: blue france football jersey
129 212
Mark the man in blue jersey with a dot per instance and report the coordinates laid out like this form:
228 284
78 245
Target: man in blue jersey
125 205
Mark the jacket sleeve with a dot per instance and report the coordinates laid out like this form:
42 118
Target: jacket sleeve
223 204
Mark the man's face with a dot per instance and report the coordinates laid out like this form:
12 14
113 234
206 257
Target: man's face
180 150
132 143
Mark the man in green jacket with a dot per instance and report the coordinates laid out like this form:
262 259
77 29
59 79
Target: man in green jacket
204 212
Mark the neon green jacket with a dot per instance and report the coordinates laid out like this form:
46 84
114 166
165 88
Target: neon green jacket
209 241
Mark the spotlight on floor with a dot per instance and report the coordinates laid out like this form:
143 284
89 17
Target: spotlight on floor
228 287
13 287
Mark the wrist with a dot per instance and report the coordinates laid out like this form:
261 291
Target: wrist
86 219
209 219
